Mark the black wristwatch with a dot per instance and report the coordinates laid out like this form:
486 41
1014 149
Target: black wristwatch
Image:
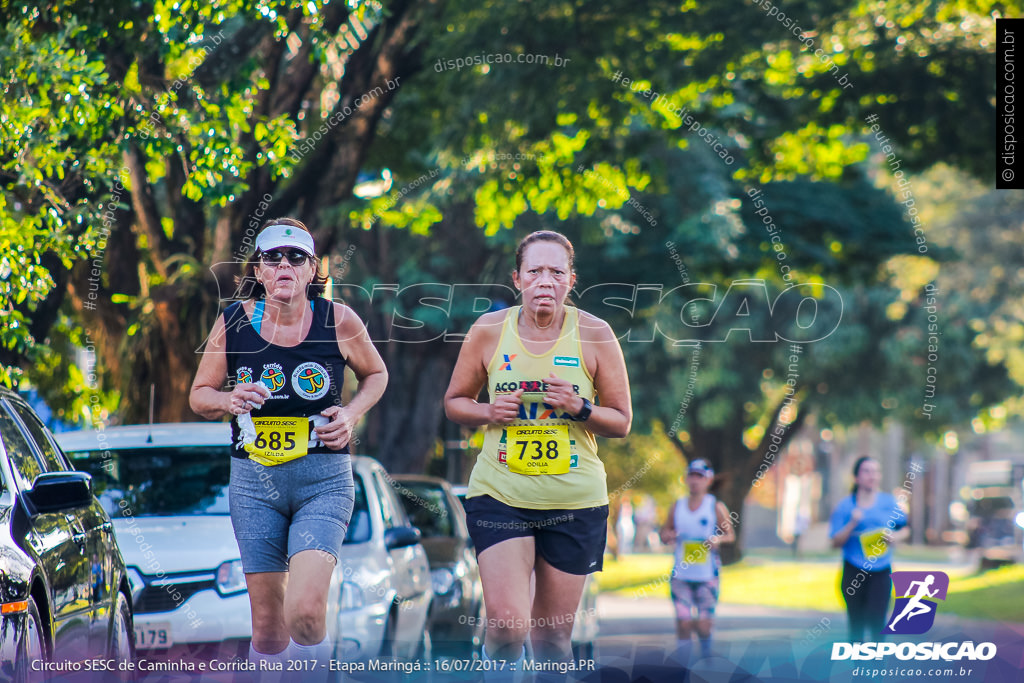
585 411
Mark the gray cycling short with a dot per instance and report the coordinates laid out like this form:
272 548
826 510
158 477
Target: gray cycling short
303 504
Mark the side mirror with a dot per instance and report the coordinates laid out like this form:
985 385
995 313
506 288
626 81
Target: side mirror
56 491
401 537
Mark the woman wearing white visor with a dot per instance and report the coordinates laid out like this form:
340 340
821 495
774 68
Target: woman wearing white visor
282 354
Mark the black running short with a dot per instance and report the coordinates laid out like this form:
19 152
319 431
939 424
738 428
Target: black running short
571 541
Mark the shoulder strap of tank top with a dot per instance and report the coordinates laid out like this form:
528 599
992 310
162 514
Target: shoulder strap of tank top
323 327
510 325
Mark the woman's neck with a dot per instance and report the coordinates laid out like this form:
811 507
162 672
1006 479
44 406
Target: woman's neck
541 324
866 496
285 313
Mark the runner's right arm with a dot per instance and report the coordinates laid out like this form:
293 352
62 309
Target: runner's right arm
842 535
668 529
206 397
470 377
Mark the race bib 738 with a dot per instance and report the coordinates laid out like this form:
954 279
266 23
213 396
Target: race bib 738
538 450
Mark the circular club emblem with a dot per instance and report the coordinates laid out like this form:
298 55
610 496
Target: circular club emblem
311 381
244 375
272 377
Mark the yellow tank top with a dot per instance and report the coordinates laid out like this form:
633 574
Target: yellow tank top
512 366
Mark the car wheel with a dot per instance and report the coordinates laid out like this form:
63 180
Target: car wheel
425 648
583 650
387 646
122 637
476 644
32 648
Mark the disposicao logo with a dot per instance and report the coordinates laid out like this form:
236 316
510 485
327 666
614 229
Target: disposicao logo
916 596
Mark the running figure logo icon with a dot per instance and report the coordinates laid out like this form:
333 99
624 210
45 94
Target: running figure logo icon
916 596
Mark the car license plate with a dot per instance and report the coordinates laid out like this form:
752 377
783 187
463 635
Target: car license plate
153 635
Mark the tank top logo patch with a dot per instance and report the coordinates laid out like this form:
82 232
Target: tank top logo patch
311 381
567 361
273 376
245 375
507 365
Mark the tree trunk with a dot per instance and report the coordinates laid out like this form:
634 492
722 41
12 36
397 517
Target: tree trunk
404 426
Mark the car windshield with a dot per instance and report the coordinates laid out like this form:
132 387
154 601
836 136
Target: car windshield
427 507
183 480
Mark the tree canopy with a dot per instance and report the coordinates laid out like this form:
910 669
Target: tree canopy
144 143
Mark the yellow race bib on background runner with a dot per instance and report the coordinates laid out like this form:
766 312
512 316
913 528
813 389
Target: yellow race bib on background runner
278 440
695 552
873 543
538 450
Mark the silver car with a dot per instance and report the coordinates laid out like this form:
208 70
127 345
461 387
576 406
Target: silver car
166 488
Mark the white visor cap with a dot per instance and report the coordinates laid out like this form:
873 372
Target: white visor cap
277 236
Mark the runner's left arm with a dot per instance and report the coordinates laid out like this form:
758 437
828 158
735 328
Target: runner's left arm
360 355
726 534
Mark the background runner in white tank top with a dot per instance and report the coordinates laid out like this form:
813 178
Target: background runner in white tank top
695 561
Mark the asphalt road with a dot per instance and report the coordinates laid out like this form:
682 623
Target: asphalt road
637 643
751 644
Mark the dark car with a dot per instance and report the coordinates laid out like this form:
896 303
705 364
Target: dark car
63 587
457 612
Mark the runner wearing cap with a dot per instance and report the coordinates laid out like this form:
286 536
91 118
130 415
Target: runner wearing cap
538 497
698 524
283 353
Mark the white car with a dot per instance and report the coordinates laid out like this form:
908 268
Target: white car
166 488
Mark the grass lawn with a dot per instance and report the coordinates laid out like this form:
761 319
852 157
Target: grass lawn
996 594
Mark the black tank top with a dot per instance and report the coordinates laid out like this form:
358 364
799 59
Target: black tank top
303 379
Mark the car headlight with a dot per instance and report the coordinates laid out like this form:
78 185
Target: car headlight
230 578
351 596
442 580
135 582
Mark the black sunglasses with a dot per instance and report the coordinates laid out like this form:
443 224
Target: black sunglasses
294 256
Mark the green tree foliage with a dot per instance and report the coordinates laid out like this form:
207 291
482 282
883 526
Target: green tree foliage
648 125
143 142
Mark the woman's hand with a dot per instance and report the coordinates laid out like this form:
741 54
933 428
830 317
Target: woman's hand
336 433
505 409
246 396
562 396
